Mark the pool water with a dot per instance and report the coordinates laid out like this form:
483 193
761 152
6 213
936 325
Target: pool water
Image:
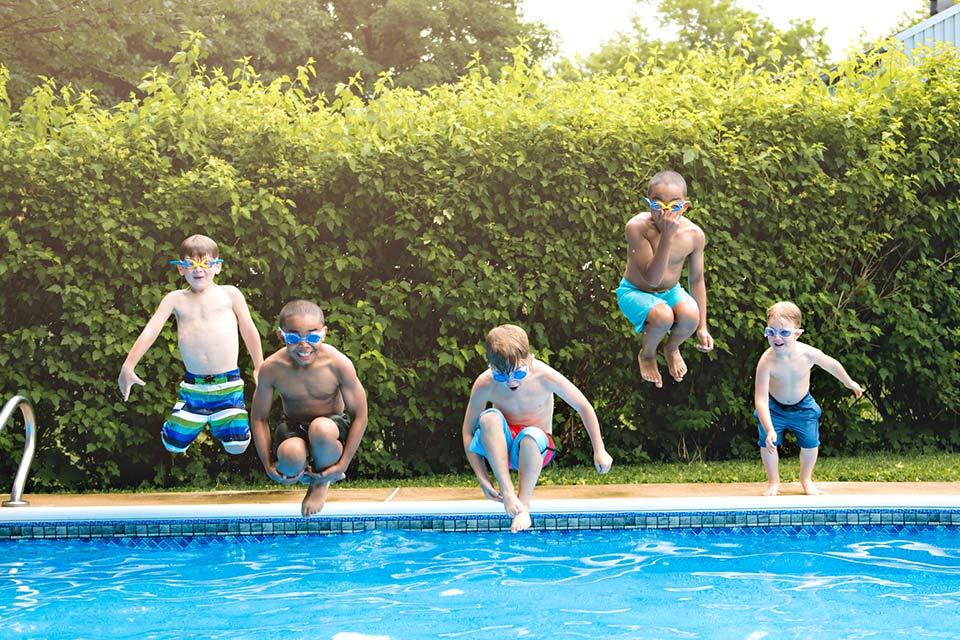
746 584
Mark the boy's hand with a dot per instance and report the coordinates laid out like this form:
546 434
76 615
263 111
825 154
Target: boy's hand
670 222
278 477
857 389
127 379
704 340
331 474
771 441
602 461
490 493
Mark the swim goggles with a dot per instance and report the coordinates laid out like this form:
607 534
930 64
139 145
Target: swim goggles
674 206
517 374
770 332
292 337
190 263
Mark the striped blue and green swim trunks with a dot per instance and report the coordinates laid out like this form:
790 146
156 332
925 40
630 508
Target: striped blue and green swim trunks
216 400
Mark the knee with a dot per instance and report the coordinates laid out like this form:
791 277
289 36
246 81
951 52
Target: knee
659 317
323 429
529 447
686 312
292 450
235 448
491 423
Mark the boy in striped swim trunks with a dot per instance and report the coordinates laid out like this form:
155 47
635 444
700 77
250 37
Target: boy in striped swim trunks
516 432
208 319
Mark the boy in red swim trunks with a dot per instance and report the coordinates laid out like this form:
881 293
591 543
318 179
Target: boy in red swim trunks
515 432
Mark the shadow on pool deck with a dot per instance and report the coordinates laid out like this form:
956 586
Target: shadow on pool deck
406 494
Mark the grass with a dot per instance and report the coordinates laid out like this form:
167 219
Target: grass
878 467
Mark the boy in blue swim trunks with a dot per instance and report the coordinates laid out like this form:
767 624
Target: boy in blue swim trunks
782 395
659 242
208 319
516 432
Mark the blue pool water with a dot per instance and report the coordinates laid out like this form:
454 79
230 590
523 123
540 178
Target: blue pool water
745 584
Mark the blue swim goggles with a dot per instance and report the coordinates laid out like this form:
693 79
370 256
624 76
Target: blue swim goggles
190 263
292 337
517 374
770 332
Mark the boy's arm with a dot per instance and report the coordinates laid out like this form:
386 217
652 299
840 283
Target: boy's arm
570 394
479 396
834 368
248 330
260 429
355 400
761 402
698 289
128 376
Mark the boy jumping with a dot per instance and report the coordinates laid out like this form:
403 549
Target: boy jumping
516 432
208 316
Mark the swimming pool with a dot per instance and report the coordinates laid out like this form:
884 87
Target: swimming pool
870 571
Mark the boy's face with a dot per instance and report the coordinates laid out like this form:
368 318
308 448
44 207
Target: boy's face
667 194
514 378
781 333
200 277
303 336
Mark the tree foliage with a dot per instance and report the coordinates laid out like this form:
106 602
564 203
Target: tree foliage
106 46
710 25
420 220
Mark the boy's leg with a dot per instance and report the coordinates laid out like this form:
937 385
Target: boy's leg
808 458
492 436
686 317
771 464
659 320
530 465
325 450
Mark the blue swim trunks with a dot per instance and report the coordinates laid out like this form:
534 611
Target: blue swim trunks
636 303
802 418
216 400
514 434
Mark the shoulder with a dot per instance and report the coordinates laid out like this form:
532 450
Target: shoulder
810 352
338 360
638 223
695 232
483 382
549 375
231 292
273 365
765 359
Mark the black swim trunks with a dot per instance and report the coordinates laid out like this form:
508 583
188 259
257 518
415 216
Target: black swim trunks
288 428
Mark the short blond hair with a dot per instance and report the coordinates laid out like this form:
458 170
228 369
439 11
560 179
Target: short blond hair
785 310
507 346
198 246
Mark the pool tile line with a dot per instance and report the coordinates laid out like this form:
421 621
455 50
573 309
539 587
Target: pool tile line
759 522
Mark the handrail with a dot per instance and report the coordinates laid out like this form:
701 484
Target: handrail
29 423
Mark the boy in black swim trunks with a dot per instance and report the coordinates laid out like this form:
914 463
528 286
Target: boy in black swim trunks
315 441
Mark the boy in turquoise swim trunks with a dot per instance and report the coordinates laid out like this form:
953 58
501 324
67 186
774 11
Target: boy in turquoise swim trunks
516 432
208 319
782 395
659 242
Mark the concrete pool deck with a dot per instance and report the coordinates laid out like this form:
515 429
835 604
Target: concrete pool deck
790 493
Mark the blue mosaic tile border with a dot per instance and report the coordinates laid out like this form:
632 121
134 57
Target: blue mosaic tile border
762 522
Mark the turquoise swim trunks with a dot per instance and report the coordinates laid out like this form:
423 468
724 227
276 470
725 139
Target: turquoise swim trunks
636 303
514 434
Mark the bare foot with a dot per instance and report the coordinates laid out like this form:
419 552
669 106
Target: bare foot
521 521
675 364
811 489
315 499
649 370
772 490
513 506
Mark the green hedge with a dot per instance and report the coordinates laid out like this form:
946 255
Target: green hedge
420 221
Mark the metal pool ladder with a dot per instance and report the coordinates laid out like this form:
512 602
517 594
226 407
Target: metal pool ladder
30 424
